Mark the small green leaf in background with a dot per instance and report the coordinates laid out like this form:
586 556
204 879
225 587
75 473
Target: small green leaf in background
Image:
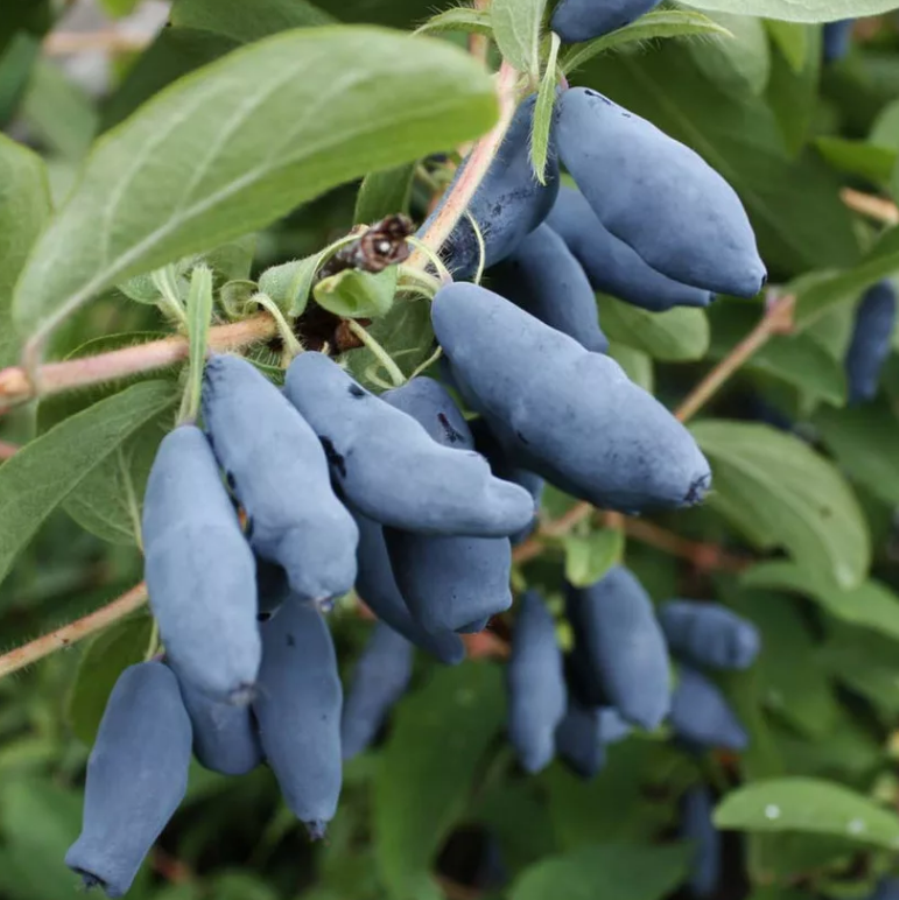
677 335
870 604
873 163
356 294
24 208
384 193
427 770
516 28
622 871
794 80
792 41
43 474
808 805
245 22
865 662
588 558
637 365
663 23
781 493
543 112
240 142
803 11
106 657
740 65
460 18
16 62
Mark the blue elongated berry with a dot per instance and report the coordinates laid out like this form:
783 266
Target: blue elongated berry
508 205
543 277
623 645
536 684
613 266
887 889
612 727
200 572
658 196
381 677
708 634
389 468
136 777
225 737
377 587
567 414
279 472
696 826
702 716
298 708
583 20
869 348
448 583
837 37
579 739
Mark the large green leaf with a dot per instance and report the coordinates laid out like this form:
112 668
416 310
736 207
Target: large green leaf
794 204
676 335
383 194
808 805
24 207
622 871
427 769
516 29
792 92
239 143
245 22
799 10
781 493
42 475
740 65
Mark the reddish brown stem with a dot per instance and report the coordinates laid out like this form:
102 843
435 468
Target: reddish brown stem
7 450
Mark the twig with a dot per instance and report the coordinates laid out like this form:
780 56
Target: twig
73 632
56 377
778 319
878 208
7 450
64 43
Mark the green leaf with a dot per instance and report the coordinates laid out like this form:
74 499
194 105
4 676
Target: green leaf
871 604
47 470
290 284
798 359
24 208
637 365
741 65
16 63
864 440
800 10
516 28
282 120
622 871
543 112
356 294
808 805
792 92
677 335
108 655
247 22
384 193
780 493
819 294
588 558
199 321
866 663
427 769
663 23
792 40
859 158
460 18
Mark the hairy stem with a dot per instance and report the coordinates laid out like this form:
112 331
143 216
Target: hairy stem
74 632
383 357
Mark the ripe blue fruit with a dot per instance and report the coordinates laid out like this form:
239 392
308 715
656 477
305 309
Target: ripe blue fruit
388 467
542 277
536 684
702 716
298 708
381 677
225 738
696 827
579 739
708 634
615 623
583 20
508 205
136 777
200 572
451 582
658 196
377 587
837 37
612 266
570 415
612 727
278 470
887 889
869 348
